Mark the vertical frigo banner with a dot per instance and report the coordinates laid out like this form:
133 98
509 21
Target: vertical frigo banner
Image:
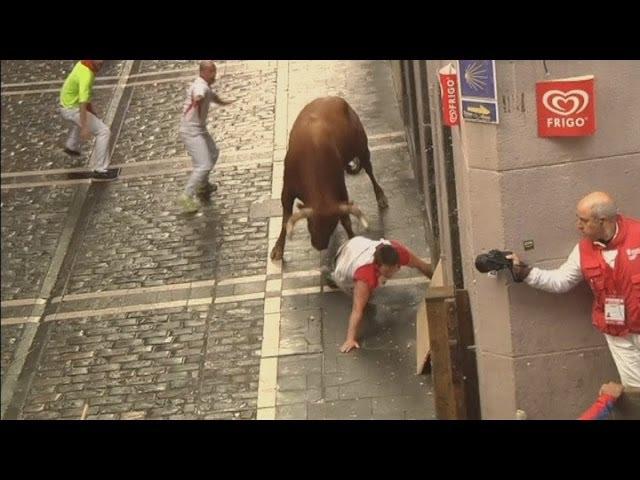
449 93
566 107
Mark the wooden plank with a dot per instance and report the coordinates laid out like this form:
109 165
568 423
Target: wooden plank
469 362
437 280
423 347
456 359
440 292
439 312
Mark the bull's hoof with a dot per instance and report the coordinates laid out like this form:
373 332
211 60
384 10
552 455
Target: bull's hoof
383 202
276 253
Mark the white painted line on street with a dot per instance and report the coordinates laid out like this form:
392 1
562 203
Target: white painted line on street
274 285
277 180
88 180
222 166
273 267
127 176
133 291
117 96
271 340
249 279
127 309
53 171
301 291
272 305
240 298
23 302
275 226
192 302
268 376
200 283
267 383
18 320
182 158
271 286
282 106
267 413
301 274
155 173
13 186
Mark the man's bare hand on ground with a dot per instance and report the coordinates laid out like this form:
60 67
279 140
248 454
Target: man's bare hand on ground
349 345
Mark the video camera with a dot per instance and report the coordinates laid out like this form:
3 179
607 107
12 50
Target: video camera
495 260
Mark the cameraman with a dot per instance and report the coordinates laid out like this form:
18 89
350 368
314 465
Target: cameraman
608 259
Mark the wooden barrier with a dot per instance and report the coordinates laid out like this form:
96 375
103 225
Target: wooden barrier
445 343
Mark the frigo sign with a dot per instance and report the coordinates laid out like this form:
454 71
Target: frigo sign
450 96
566 108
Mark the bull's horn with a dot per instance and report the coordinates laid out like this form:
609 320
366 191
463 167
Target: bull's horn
300 214
354 210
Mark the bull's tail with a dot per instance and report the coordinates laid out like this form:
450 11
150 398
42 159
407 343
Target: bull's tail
353 167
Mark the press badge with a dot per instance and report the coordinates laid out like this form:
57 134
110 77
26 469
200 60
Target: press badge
614 310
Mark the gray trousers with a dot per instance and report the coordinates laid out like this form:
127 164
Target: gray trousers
204 155
97 128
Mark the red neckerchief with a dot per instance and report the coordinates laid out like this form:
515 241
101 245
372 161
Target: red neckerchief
90 65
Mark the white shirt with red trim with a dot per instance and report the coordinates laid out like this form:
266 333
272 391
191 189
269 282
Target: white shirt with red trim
196 113
355 262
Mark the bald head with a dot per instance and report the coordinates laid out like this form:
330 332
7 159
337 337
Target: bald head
206 65
599 205
208 71
597 216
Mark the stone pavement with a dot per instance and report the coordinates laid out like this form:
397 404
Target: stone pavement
115 305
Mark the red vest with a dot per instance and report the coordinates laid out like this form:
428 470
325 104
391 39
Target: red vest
622 280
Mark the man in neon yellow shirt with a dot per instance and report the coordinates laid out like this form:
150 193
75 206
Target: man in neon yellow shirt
75 107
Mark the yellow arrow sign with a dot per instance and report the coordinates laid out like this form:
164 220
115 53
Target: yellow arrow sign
481 110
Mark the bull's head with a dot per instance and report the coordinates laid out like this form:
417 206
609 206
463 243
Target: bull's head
322 225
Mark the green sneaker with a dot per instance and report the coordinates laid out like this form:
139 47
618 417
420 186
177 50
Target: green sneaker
188 204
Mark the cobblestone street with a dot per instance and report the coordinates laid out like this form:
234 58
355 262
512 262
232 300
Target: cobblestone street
116 305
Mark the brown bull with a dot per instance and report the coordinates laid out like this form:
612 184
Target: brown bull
325 138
